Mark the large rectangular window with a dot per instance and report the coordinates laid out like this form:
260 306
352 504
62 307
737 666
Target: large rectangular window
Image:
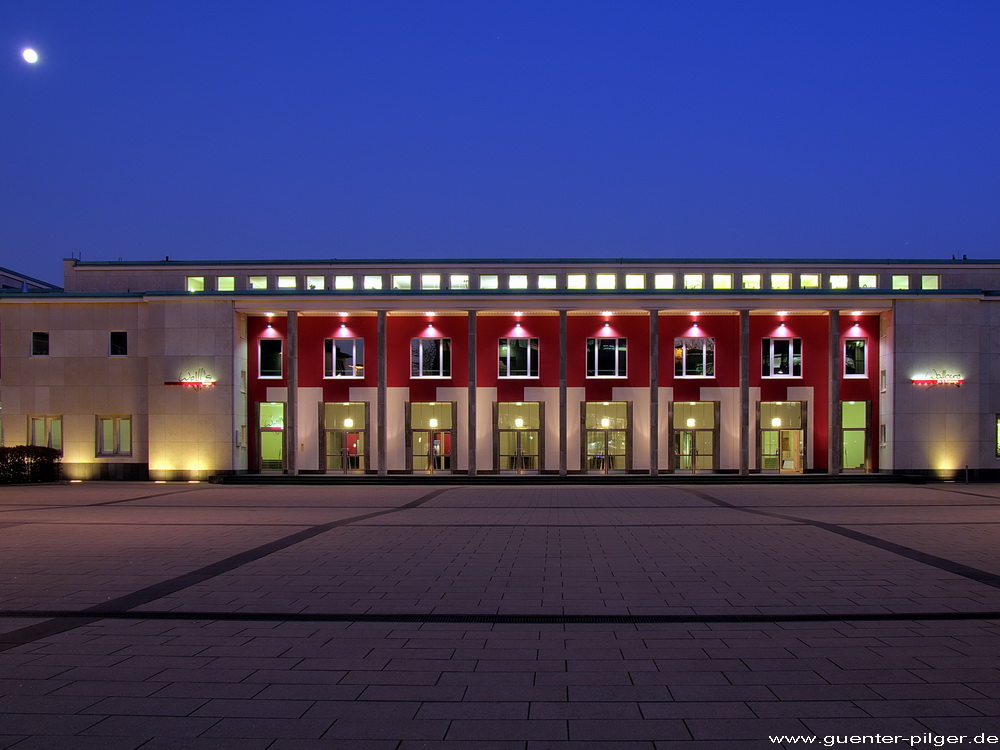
781 358
856 358
606 358
518 358
430 358
39 343
45 431
694 357
114 436
270 358
343 358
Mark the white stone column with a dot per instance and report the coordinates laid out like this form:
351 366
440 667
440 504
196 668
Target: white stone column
292 400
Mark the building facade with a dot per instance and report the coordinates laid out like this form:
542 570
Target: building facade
175 370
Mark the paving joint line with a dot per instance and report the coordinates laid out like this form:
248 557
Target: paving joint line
171 586
941 563
472 617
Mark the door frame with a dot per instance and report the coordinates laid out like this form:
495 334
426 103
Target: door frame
804 429
628 437
408 437
671 430
258 458
497 431
322 438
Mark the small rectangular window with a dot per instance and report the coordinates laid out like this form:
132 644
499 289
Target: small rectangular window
257 282
287 282
900 282
225 283
39 343
694 357
781 358
576 281
114 436
270 358
430 281
547 281
868 281
459 281
663 281
430 358
372 282
196 283
856 358
316 283
809 281
722 281
606 281
781 281
343 358
118 344
343 283
517 281
606 358
518 358
882 435
402 283
930 282
882 381
839 281
489 281
694 281
635 281
751 281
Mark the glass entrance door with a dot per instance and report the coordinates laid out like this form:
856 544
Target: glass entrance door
271 437
431 451
694 426
607 437
855 435
431 436
519 437
345 443
781 437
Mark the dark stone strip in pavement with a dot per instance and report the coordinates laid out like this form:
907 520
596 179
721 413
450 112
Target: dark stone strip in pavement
79 617
141 497
941 563
173 585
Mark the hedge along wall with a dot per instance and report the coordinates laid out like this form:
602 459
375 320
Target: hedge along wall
28 463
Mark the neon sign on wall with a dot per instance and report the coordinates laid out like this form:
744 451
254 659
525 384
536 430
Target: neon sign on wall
935 377
196 379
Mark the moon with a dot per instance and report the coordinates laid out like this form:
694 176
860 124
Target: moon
30 55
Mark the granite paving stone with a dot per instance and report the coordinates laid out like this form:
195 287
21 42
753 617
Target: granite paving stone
767 626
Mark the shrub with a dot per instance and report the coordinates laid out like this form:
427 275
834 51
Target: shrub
29 463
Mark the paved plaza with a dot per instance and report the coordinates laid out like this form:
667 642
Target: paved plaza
197 616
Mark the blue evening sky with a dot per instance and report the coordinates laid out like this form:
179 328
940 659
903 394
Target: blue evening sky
212 129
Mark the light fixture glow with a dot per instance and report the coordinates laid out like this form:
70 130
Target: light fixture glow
605 422
776 422
690 422
430 313
519 422
29 55
432 422
607 313
348 422
695 313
